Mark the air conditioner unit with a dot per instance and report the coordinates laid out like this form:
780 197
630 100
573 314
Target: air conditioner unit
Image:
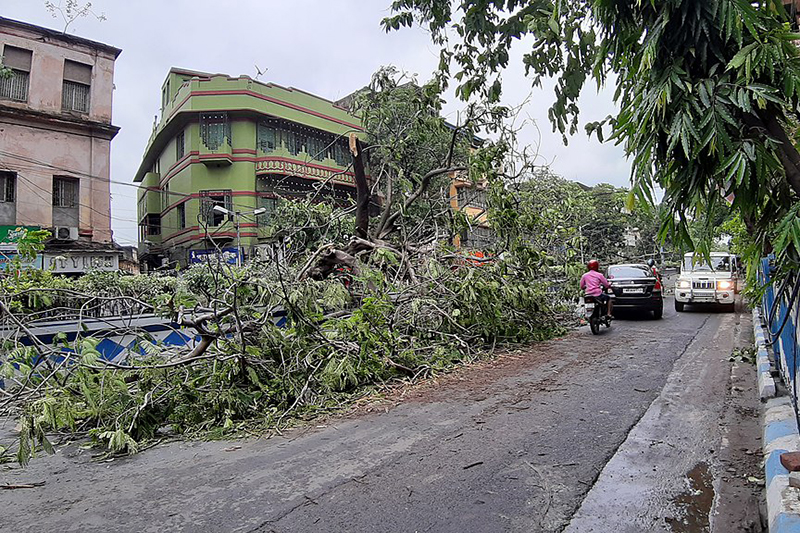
66 233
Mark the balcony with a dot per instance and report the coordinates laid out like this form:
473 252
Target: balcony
220 156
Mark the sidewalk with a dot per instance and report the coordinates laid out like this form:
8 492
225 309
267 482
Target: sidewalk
780 436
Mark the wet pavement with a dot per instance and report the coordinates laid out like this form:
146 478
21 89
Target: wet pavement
667 474
643 428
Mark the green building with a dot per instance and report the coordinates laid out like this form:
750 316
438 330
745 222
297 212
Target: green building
224 150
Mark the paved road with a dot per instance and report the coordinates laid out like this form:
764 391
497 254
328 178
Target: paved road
647 427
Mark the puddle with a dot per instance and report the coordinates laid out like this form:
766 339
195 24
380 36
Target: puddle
693 507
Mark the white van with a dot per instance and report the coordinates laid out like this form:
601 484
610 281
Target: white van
711 282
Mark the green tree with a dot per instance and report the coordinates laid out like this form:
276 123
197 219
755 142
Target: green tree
708 92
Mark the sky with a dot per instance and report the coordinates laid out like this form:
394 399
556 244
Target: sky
326 47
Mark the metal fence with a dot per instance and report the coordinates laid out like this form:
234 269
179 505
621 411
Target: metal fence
781 312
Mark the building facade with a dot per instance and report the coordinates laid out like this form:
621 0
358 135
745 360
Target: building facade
55 141
224 150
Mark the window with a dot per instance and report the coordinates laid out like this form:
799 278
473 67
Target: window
181 209
65 192
341 154
632 271
165 96
165 197
215 130
19 61
471 197
270 204
209 199
315 147
153 226
718 263
180 146
266 137
8 187
479 238
77 85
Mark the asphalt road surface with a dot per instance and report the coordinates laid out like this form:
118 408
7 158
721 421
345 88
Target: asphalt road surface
647 427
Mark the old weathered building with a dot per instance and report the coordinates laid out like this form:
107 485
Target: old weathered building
55 142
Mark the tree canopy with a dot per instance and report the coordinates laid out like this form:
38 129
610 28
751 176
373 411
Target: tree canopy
708 92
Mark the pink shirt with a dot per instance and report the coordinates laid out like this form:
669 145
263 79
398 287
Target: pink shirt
592 281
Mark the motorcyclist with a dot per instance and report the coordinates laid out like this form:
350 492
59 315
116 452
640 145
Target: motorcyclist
593 282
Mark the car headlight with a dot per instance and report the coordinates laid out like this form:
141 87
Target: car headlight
684 284
724 285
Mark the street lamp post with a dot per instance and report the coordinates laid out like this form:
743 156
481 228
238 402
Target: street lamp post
236 215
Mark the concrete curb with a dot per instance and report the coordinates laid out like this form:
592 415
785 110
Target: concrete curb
780 435
766 384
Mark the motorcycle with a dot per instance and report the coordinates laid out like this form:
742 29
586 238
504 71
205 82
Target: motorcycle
596 314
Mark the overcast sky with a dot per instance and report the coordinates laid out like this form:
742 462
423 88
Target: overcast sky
326 47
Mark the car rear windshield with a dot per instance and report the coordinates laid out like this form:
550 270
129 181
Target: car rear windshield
631 271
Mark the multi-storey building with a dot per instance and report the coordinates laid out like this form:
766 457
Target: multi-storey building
55 141
471 199
222 153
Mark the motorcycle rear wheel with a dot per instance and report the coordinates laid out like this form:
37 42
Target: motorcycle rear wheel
594 324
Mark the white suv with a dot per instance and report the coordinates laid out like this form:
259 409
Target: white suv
702 282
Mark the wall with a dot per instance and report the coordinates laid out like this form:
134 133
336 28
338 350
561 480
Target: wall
50 143
58 153
8 213
47 72
246 102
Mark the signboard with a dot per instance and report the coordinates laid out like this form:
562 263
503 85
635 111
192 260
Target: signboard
7 259
226 255
80 262
10 235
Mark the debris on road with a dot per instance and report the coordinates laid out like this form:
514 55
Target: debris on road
23 486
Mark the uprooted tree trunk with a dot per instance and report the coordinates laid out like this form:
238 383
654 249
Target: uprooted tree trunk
327 259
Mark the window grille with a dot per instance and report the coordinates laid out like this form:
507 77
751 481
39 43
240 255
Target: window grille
181 209
19 61
180 146
267 137
209 199
65 192
153 224
165 196
215 130
341 154
75 97
315 147
270 204
165 96
480 238
471 197
16 87
8 187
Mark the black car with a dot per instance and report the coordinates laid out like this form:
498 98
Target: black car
636 287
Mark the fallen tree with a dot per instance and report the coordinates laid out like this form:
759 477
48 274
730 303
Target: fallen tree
371 293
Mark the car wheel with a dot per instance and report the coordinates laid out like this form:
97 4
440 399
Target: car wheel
679 306
658 312
730 308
